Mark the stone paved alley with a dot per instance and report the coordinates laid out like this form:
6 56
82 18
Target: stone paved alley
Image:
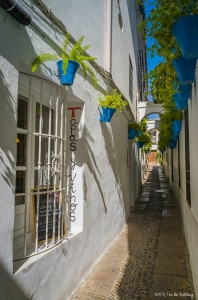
149 260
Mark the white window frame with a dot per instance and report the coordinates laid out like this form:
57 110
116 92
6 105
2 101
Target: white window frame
55 166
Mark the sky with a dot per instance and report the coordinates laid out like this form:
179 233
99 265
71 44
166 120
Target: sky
151 61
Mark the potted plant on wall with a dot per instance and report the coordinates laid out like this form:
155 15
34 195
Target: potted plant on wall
185 25
133 128
147 147
70 61
145 138
185 69
110 104
160 24
177 117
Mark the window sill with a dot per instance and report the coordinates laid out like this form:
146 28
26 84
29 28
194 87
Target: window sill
26 263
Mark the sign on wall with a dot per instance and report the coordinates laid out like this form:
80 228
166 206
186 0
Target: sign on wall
75 158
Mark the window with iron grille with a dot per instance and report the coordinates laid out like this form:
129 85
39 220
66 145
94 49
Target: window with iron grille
130 79
141 73
41 167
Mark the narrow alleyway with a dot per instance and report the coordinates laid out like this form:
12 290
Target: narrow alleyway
149 260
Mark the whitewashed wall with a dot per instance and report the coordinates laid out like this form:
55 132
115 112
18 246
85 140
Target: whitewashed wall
110 186
189 214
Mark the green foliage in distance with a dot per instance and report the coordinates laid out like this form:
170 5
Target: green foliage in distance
163 82
77 53
144 138
147 147
159 22
143 125
159 157
113 101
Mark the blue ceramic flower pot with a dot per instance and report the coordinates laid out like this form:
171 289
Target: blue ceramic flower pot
68 78
185 69
140 144
175 137
172 144
180 104
185 30
107 114
183 91
176 126
131 133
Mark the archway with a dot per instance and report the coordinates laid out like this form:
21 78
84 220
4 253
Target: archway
147 108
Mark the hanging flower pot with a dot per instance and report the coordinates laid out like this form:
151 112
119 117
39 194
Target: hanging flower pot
185 30
185 69
183 90
140 144
131 133
180 104
68 78
172 144
176 126
107 114
175 137
139 133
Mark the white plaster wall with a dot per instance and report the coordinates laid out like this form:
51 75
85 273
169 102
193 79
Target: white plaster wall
91 22
175 165
193 142
86 18
125 43
106 177
166 162
9 90
189 214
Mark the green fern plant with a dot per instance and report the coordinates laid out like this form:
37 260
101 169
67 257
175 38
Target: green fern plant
113 101
77 53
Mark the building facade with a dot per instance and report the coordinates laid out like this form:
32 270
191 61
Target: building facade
67 180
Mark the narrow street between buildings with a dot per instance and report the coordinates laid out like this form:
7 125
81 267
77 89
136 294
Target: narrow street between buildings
149 260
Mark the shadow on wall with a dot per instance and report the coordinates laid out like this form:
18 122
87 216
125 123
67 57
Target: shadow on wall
111 152
90 162
9 289
8 120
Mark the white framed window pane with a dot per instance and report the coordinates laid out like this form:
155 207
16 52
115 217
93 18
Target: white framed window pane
42 181
21 149
20 182
44 150
19 200
45 119
22 110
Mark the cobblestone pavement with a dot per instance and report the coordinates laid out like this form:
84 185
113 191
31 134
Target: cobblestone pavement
149 260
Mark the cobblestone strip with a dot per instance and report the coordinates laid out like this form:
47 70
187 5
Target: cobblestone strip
135 279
